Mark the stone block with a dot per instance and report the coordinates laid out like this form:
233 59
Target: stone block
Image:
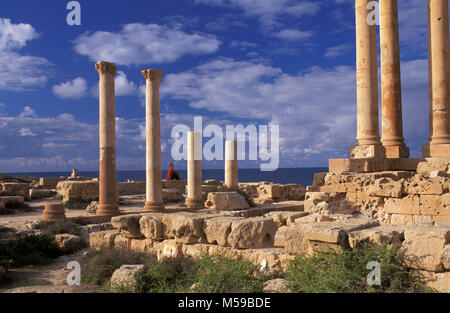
218 229
384 234
185 228
226 201
102 239
151 226
128 225
125 276
252 233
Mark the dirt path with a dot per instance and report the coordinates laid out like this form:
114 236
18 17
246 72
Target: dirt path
49 278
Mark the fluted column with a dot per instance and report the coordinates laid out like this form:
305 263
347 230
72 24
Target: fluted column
368 144
107 130
439 62
391 90
231 165
154 196
194 161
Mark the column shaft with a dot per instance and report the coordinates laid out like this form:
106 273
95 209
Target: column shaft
368 144
231 165
439 144
154 195
391 102
194 194
107 131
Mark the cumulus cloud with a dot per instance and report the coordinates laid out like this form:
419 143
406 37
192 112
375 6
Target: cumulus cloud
19 72
138 43
337 51
316 108
72 89
293 34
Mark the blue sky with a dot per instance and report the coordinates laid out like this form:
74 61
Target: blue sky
285 62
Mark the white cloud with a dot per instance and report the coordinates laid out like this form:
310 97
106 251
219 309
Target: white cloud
72 89
19 72
337 51
137 44
15 36
316 108
293 34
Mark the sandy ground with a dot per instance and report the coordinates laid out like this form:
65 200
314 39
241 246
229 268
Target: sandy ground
50 278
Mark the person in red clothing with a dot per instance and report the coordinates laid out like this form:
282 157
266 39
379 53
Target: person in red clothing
172 174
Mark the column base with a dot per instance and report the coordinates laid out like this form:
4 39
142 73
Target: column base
194 204
153 206
397 152
108 209
436 150
367 152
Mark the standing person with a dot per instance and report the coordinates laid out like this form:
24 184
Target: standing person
172 174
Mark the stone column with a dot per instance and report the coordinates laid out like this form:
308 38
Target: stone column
107 130
154 195
439 59
391 90
54 211
368 144
194 161
231 165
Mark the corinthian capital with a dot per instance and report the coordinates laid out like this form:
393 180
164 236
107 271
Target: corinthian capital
153 75
103 67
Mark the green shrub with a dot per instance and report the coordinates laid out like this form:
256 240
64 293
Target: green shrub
331 272
169 276
219 273
97 266
28 250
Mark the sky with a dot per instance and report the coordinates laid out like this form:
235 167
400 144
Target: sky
282 62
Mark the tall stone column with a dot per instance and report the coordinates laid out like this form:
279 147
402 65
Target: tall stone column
368 144
154 196
391 90
231 165
194 172
439 59
107 130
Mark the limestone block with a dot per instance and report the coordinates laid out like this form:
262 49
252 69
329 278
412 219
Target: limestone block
102 239
423 247
438 281
125 276
377 235
130 188
268 259
446 257
122 242
252 233
226 201
12 201
275 286
407 205
433 164
435 205
420 185
280 237
176 184
293 192
185 228
151 226
168 249
270 191
386 187
78 190
128 225
14 189
250 189
92 207
218 229
143 245
196 250
50 182
41 193
282 218
262 201
172 195
69 243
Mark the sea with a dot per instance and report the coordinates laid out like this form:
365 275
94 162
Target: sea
303 176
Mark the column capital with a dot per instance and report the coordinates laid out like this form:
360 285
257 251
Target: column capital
153 75
103 67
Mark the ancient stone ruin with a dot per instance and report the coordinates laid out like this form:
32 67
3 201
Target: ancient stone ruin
377 195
